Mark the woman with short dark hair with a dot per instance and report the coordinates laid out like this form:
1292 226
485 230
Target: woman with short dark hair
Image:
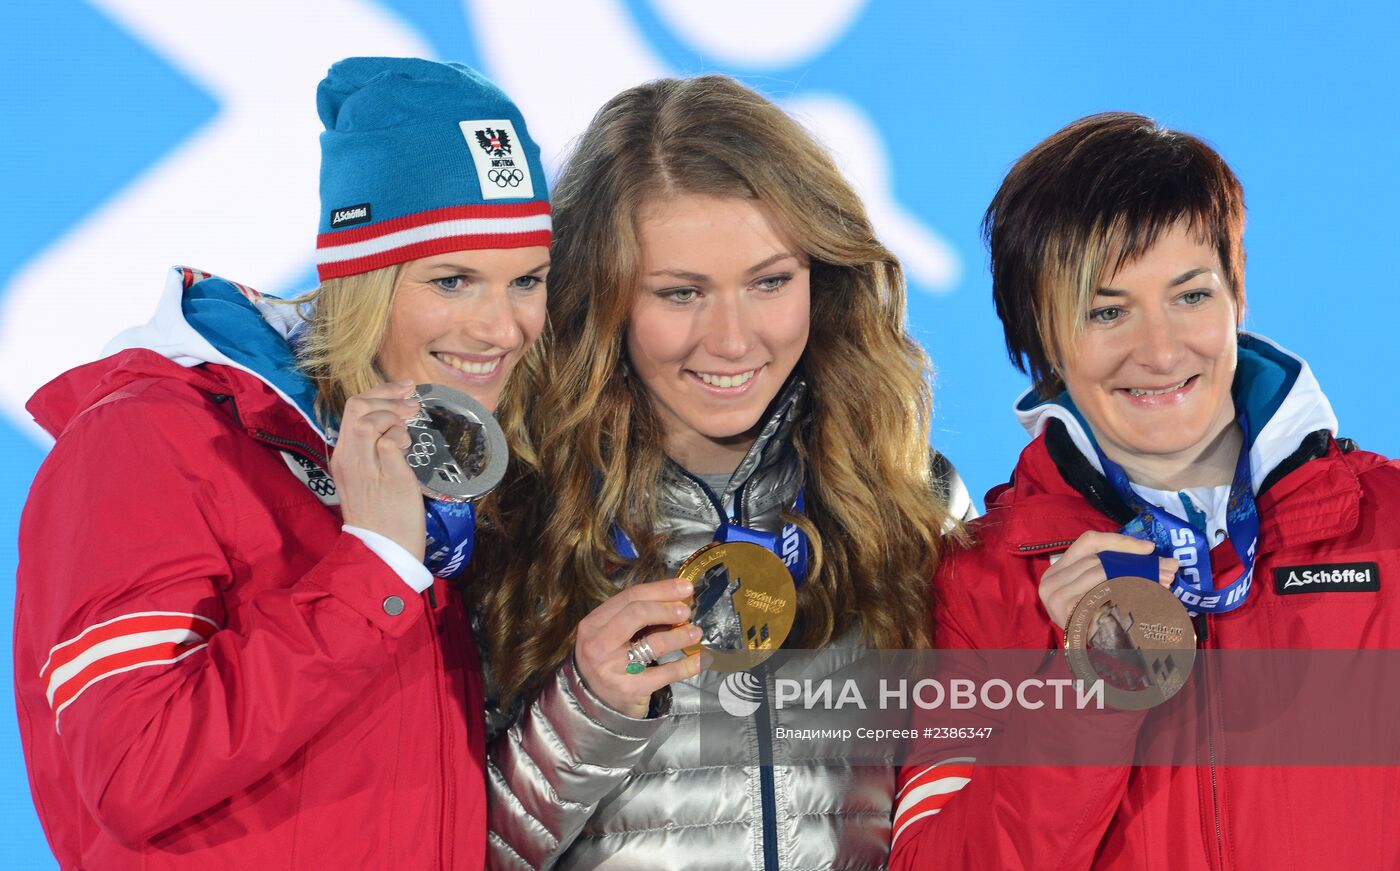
1162 431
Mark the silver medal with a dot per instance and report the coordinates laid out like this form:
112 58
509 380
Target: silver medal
457 448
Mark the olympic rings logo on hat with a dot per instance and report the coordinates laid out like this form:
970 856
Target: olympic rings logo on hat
506 177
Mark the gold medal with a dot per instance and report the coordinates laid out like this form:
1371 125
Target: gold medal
744 603
1136 637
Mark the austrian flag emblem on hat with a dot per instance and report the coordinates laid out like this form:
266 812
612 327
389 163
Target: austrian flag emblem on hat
495 142
501 176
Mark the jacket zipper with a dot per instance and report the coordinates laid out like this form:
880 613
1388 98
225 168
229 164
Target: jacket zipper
303 447
709 494
264 436
441 667
1049 545
1210 745
767 788
1215 798
449 803
768 797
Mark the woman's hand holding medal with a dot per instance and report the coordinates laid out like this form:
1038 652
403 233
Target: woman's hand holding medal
1079 570
378 491
1125 630
614 638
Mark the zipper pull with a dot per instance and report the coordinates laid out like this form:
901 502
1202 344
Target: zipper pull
432 596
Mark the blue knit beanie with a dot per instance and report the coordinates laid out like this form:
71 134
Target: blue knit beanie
422 158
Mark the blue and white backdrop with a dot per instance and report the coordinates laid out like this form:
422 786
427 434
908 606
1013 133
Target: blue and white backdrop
142 133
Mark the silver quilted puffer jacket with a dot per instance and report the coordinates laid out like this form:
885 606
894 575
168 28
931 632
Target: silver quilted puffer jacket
575 784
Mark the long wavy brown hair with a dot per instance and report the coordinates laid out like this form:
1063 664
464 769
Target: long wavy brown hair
872 515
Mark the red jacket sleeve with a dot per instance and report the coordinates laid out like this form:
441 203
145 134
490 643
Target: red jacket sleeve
170 687
954 809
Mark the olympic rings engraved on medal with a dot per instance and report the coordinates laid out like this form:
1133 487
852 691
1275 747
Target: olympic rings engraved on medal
421 453
506 177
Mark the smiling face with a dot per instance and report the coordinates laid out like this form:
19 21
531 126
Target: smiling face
1152 371
718 324
465 319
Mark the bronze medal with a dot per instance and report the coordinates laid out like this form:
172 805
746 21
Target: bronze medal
744 602
456 448
1136 637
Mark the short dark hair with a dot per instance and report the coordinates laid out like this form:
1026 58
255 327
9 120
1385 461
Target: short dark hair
1098 193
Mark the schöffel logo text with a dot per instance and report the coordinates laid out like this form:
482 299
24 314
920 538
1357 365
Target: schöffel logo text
350 216
1328 578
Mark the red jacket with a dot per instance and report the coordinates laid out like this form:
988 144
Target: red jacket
210 673
1325 510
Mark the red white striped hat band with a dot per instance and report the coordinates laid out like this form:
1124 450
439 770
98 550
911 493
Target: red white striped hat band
458 228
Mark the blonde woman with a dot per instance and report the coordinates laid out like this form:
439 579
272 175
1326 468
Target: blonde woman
730 352
229 651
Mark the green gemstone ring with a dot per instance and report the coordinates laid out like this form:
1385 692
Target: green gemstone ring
635 667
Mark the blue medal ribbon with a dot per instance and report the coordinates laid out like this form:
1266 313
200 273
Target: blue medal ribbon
790 543
1117 564
1195 583
451 535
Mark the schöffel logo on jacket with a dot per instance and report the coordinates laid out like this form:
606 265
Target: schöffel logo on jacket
1328 578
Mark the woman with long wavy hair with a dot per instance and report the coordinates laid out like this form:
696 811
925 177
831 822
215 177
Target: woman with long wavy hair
729 351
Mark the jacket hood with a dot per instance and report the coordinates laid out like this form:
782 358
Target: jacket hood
58 402
1274 390
200 319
